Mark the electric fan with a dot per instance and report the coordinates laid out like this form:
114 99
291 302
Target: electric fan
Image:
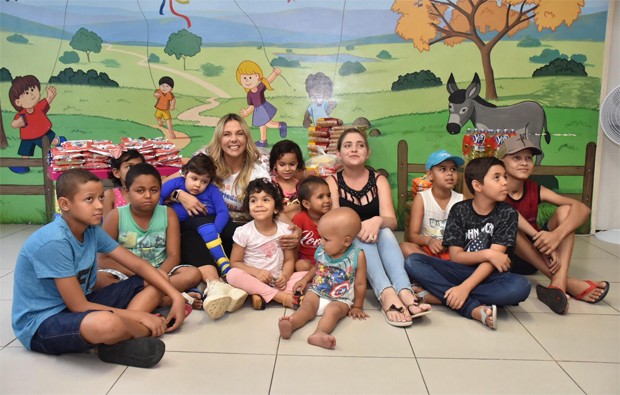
610 123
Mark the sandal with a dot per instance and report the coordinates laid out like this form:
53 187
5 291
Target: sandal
401 310
484 316
553 297
419 302
593 286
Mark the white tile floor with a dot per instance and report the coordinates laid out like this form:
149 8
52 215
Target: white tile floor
534 351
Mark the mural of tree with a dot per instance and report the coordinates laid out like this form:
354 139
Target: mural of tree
427 22
86 41
183 44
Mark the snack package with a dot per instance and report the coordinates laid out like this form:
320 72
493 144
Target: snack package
420 184
323 165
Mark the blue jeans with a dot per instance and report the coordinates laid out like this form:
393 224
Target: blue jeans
437 276
385 263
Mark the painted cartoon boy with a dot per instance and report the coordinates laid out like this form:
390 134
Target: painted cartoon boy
31 118
165 103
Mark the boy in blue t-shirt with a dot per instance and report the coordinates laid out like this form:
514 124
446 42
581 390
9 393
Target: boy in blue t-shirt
56 310
478 234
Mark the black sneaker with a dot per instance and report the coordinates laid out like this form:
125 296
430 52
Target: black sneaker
144 352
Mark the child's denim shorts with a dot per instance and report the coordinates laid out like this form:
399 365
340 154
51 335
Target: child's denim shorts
60 333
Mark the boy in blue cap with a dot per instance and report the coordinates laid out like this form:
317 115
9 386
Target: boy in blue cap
430 209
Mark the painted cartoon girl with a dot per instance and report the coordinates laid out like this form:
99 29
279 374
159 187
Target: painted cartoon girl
250 77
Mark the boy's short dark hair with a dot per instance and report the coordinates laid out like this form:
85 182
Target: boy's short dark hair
69 182
200 164
284 147
478 168
141 169
306 188
19 86
264 185
166 80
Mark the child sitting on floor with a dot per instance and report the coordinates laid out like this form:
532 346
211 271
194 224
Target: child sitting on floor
339 285
316 200
259 266
56 310
118 196
549 248
430 209
150 231
286 163
478 233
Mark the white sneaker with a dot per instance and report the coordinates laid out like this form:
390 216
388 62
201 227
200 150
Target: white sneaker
237 297
216 301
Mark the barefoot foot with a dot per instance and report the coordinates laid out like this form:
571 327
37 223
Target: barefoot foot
322 339
286 327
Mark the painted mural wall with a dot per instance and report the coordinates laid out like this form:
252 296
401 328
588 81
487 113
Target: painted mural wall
423 70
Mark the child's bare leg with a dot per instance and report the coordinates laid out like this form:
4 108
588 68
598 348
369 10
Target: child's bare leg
104 279
526 251
334 312
182 279
146 300
411 248
303 265
284 298
306 312
209 273
160 122
104 327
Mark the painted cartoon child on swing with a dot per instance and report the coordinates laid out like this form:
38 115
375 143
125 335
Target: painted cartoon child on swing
250 77
31 118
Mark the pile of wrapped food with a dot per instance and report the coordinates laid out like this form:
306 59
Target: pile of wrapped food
96 154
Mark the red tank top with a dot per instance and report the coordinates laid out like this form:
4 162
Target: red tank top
527 205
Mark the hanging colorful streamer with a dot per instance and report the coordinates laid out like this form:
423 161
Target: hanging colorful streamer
189 23
172 10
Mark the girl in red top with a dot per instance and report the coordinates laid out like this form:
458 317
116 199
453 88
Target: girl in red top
316 200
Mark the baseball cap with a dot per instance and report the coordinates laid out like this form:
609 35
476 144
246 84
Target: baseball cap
515 144
439 156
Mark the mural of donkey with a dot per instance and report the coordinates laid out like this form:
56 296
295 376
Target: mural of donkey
527 118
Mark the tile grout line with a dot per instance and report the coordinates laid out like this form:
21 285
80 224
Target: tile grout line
117 379
417 362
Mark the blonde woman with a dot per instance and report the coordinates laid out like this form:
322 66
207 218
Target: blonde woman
237 163
250 77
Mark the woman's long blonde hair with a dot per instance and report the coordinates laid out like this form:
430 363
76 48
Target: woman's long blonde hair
214 150
248 67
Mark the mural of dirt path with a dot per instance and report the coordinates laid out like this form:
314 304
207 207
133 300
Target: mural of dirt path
192 114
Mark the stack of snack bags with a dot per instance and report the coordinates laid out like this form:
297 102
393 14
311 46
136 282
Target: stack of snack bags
96 154
323 138
157 151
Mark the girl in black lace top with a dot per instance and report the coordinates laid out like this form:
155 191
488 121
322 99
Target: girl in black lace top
369 194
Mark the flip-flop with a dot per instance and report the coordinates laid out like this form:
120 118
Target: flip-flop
417 303
484 316
553 297
593 285
400 324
